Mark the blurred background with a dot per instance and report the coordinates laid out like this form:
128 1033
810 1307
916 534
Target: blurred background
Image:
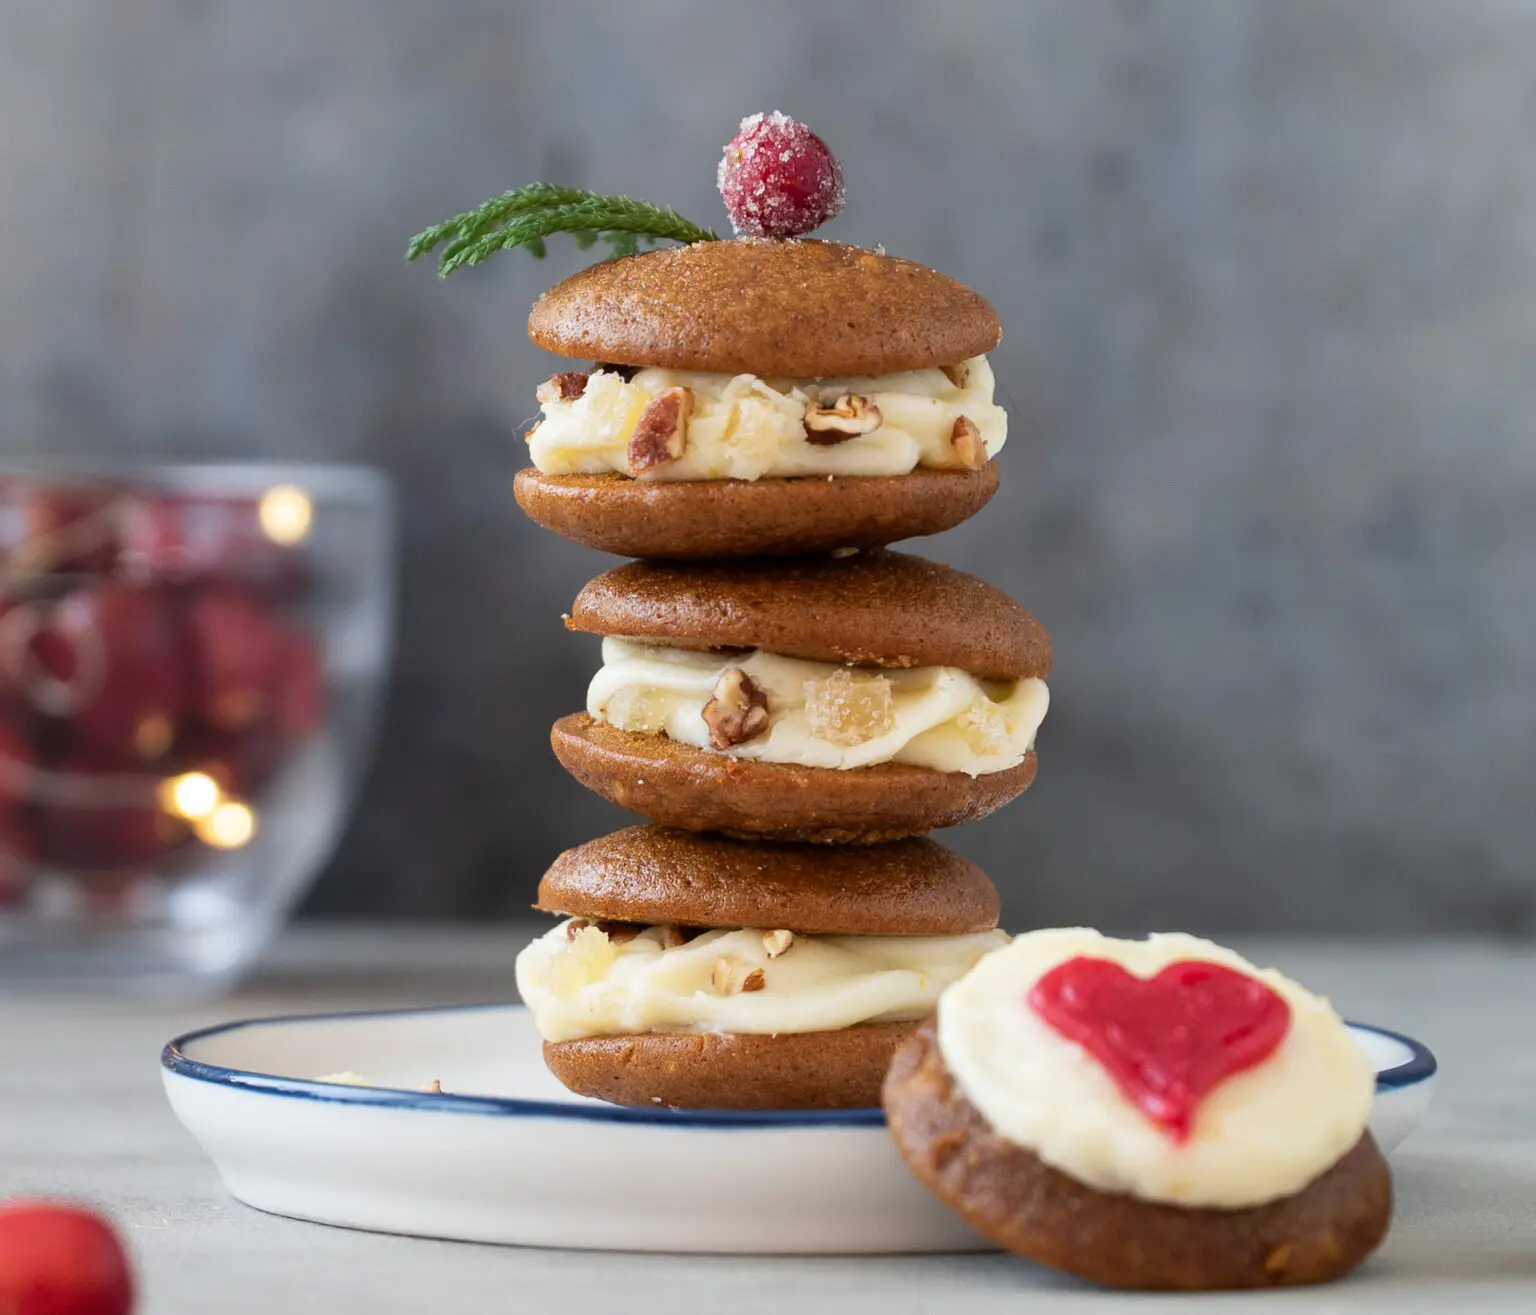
1268 279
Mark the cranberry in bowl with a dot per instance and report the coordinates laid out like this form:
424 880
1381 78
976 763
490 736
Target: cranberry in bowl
190 664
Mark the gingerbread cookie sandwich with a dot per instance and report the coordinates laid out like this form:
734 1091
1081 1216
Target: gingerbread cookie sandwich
752 397
839 699
1145 1114
701 972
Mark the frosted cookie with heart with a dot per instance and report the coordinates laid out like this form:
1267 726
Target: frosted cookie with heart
1145 1114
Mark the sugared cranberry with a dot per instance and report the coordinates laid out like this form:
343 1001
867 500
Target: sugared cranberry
778 178
58 1259
109 660
237 651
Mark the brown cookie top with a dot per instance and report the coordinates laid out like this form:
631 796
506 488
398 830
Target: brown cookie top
874 608
797 308
652 875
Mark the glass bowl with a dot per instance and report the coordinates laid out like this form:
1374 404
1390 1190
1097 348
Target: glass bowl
190 665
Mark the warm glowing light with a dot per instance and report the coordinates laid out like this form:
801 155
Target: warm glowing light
228 826
190 795
286 514
153 736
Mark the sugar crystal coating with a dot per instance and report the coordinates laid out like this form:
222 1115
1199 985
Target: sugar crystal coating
848 708
778 178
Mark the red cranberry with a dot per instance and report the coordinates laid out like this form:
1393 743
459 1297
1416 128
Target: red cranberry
241 762
109 659
16 767
98 820
301 696
237 654
58 1259
67 528
778 178
201 539
18 847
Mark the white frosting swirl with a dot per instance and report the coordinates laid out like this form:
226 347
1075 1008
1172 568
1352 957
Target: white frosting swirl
588 984
821 714
744 427
1262 1134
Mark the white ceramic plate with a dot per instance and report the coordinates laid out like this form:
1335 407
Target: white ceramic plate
506 1154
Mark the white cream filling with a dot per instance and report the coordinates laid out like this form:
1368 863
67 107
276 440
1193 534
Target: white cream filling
589 984
744 427
821 714
1262 1134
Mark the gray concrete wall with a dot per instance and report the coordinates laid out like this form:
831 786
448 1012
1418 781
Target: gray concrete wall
1268 274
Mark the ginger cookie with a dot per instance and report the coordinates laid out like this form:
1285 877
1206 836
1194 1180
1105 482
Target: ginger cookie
710 973
853 699
1156 1114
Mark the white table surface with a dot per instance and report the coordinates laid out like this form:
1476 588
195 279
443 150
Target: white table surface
82 1114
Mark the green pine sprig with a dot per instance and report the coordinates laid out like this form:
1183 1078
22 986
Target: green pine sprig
526 217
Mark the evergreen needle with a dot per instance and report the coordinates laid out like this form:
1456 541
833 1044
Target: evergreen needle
524 218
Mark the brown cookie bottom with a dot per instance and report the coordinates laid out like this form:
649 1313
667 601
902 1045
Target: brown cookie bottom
708 1070
695 790
1013 1197
751 518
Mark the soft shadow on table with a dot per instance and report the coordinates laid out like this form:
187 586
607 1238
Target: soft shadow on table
1460 1221
1461 1217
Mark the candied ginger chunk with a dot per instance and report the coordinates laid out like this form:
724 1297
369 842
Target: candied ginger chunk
849 707
641 710
585 960
984 726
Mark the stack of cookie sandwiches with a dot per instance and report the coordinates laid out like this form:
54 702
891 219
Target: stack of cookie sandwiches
791 704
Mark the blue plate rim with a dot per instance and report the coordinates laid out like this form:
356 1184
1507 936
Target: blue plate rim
1419 1067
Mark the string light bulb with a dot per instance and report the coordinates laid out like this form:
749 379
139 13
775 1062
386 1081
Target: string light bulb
191 795
285 514
229 826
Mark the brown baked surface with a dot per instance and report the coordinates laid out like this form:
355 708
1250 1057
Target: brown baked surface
751 518
876 607
803 309
653 875
1020 1202
707 1070
695 790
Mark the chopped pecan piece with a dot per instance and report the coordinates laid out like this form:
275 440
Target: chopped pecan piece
959 375
564 387
661 433
737 711
968 445
732 977
848 417
777 942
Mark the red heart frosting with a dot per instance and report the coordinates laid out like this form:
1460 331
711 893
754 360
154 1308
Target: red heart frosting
1167 1040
